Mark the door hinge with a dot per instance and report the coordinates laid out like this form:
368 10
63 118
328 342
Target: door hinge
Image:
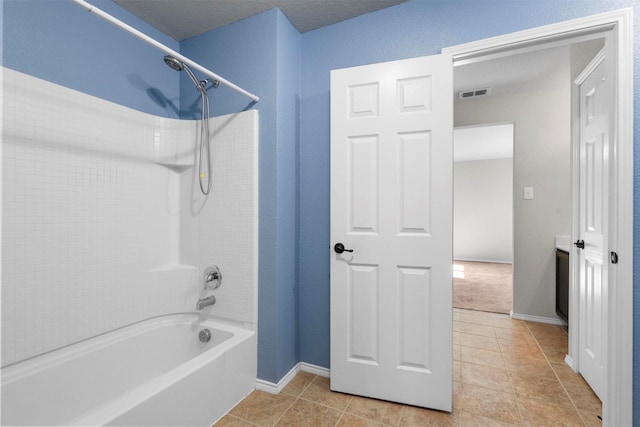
614 258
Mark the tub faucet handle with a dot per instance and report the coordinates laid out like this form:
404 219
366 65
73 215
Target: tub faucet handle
212 277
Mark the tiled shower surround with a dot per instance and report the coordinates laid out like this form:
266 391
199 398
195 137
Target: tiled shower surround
103 222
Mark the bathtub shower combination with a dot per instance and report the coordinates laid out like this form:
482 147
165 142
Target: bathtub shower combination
131 326
155 373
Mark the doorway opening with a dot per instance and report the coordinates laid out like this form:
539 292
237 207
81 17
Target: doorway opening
483 217
615 28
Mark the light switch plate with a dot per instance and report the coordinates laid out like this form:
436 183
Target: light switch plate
528 193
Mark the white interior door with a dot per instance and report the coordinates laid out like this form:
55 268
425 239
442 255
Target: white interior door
391 204
594 102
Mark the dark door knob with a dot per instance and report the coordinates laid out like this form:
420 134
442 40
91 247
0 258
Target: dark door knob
579 244
339 248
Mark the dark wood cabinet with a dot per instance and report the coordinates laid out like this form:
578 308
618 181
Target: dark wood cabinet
562 284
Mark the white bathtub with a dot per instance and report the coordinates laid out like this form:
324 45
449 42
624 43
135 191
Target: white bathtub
152 373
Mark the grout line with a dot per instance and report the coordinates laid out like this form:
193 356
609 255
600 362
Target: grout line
404 407
573 404
286 410
518 406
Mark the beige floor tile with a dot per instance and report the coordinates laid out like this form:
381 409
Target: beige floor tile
468 419
576 385
457 371
555 355
348 420
557 342
319 392
562 345
470 328
513 334
566 374
486 376
530 387
456 352
457 392
591 419
507 322
489 403
584 398
479 312
503 369
475 319
546 331
231 421
304 413
456 338
542 414
376 410
517 350
481 357
479 341
524 366
520 341
263 409
419 417
297 385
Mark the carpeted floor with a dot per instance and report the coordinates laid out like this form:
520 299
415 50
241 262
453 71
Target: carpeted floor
483 286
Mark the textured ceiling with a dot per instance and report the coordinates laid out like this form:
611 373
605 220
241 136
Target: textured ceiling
183 19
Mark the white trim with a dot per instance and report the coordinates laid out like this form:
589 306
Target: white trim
569 361
618 404
255 244
315 369
274 388
539 319
619 401
557 34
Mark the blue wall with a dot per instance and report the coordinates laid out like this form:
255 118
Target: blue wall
289 58
58 41
262 55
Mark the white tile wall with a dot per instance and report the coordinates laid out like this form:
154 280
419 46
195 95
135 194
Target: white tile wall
93 228
227 223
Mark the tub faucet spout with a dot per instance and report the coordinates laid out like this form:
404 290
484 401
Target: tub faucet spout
205 302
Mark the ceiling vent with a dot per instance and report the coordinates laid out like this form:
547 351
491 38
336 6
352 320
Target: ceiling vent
474 93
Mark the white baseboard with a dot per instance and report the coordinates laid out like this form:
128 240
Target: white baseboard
315 369
569 361
274 388
539 319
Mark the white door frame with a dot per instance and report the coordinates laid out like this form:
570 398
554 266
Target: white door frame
618 404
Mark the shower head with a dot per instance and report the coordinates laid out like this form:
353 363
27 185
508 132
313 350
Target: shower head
173 63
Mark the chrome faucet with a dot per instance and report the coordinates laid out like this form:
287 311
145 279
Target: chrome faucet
205 302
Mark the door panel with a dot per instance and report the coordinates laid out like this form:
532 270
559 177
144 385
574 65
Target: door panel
594 95
391 203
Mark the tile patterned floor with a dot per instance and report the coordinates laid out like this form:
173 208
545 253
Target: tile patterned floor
506 373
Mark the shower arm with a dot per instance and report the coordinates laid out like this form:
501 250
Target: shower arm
104 15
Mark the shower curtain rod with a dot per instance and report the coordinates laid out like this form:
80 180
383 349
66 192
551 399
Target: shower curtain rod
104 15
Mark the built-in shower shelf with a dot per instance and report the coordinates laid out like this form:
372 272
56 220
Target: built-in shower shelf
173 267
178 168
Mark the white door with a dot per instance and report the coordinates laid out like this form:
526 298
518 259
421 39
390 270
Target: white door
391 204
594 103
